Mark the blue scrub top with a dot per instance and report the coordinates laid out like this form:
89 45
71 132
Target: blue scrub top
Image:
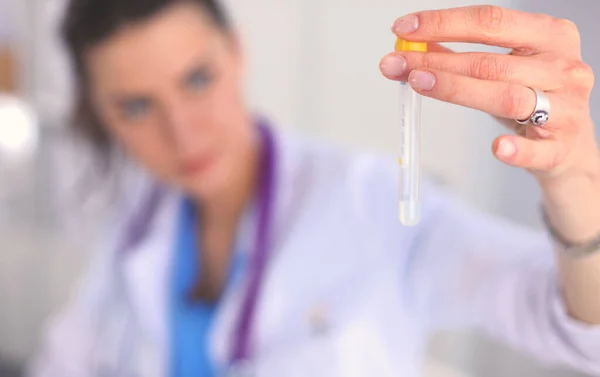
191 323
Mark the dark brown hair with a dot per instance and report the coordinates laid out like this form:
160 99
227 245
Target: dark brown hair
88 23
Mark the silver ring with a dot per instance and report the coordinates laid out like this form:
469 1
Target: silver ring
541 113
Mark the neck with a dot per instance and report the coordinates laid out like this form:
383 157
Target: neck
219 218
227 205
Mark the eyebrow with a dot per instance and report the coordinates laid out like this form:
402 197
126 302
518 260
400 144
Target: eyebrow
120 100
197 64
200 65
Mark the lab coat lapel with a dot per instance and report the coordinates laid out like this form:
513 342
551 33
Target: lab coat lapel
284 210
146 275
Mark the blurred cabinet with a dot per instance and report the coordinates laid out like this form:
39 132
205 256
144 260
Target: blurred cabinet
8 70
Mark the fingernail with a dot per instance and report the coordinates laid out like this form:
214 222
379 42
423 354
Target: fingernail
393 66
406 24
422 80
506 148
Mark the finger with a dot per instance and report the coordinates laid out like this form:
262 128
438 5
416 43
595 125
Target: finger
540 155
436 47
394 68
491 25
501 99
536 73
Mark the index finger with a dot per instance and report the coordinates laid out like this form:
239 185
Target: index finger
491 25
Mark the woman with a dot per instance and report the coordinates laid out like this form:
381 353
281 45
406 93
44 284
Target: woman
243 250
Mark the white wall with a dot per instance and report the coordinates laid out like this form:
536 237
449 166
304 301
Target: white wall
327 83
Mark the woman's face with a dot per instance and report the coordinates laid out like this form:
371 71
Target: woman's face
169 90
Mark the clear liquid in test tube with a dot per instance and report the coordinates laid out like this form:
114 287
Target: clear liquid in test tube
409 158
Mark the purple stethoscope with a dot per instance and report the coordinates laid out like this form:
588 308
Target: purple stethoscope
138 227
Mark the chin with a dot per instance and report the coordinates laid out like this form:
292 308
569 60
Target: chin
205 186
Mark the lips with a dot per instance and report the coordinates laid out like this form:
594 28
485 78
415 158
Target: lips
195 165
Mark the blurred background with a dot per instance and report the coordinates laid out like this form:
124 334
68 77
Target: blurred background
313 67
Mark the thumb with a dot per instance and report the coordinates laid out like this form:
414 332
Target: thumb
541 155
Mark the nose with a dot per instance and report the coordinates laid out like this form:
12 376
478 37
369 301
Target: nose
180 126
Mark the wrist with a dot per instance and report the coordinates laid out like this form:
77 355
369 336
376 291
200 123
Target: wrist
572 200
582 169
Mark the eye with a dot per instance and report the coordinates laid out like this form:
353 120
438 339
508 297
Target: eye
198 80
135 108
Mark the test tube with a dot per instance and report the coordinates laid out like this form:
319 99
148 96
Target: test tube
409 160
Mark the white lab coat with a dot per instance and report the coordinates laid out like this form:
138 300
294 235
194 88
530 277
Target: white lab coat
348 291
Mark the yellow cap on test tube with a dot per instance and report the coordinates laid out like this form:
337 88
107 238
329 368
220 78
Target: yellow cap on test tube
404 45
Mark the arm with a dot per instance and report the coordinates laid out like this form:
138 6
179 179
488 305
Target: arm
549 306
573 206
470 269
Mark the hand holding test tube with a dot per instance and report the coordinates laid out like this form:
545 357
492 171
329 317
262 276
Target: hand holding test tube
409 160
